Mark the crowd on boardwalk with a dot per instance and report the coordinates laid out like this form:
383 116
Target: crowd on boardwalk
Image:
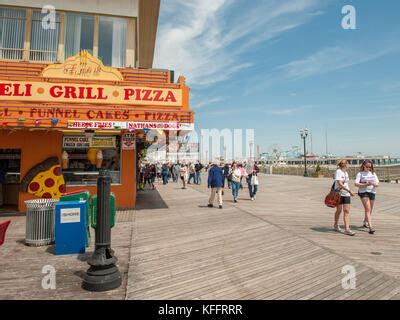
220 175
232 175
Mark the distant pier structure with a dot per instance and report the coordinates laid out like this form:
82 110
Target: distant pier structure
386 167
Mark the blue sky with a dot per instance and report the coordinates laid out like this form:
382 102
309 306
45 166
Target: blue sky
278 66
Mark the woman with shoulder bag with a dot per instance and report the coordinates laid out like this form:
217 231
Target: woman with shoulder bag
342 184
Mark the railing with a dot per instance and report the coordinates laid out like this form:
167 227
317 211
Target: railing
22 69
384 173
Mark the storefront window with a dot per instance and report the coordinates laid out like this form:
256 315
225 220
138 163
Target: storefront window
12 29
112 41
44 42
79 34
10 161
83 157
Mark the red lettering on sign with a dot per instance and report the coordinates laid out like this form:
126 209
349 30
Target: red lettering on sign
56 91
138 97
101 95
146 95
16 90
125 115
69 92
81 92
170 97
158 94
17 93
128 93
5 89
90 114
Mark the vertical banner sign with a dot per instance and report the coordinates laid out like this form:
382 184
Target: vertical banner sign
128 141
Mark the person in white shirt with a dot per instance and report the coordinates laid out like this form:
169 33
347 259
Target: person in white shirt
342 183
367 181
184 175
236 177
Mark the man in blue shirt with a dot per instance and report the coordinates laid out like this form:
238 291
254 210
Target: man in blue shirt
215 182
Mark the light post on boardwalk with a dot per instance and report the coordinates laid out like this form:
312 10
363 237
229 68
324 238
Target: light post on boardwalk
303 135
103 274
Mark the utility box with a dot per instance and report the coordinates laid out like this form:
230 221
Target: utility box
70 227
94 210
81 195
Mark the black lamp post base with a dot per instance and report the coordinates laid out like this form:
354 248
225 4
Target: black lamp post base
103 274
102 278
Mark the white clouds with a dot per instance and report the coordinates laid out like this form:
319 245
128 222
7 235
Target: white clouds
328 60
207 40
323 61
207 102
289 111
267 110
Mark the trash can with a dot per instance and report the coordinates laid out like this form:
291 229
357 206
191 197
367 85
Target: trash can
94 210
40 218
81 195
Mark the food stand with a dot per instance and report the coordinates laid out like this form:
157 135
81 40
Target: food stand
86 118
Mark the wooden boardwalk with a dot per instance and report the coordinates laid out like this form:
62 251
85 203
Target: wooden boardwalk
280 246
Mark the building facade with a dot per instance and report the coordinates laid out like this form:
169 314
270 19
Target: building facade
78 94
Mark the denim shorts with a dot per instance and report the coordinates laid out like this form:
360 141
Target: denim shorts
345 200
369 195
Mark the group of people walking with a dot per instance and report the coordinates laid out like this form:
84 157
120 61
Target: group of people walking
185 172
233 174
367 182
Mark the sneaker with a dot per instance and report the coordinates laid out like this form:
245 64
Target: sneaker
371 231
365 224
337 228
234 200
210 205
220 207
349 232
252 199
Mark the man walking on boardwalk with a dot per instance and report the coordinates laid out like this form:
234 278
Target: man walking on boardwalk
215 182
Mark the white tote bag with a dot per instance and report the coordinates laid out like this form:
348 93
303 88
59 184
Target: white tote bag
254 180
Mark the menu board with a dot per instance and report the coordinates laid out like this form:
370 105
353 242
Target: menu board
83 142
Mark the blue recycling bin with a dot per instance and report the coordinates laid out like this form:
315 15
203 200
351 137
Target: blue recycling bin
70 227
